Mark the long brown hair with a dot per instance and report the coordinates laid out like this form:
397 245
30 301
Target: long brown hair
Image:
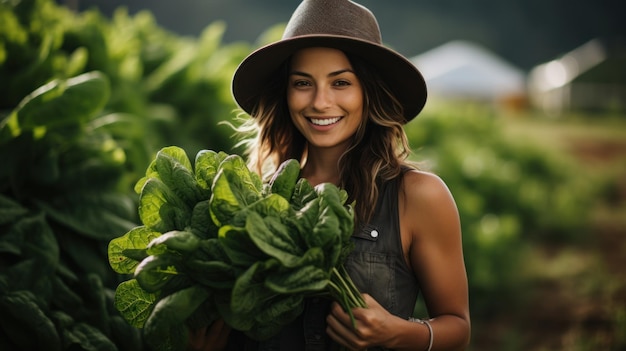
378 150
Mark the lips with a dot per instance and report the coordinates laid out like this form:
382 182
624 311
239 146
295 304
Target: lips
324 121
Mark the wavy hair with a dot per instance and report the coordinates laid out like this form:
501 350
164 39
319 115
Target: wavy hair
378 151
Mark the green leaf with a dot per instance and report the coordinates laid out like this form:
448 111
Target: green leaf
155 271
334 198
38 241
238 246
275 242
201 222
127 251
160 209
212 274
250 290
284 180
61 102
134 303
94 214
275 314
125 334
310 275
206 166
304 279
64 297
235 187
87 337
325 230
180 241
26 324
303 193
211 249
10 210
272 205
174 169
172 310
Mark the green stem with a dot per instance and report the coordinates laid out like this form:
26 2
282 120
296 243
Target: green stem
348 287
345 292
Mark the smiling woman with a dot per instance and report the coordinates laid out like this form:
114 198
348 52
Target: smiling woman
331 96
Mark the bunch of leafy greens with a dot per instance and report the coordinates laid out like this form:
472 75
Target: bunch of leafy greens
218 242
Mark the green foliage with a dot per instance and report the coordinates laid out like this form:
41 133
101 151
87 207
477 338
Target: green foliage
84 103
60 205
271 246
165 89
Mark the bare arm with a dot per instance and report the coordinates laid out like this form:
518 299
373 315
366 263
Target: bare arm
430 216
431 236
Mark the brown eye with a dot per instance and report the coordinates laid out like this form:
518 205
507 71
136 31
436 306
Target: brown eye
301 83
341 82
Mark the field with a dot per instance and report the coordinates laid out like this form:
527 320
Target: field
576 296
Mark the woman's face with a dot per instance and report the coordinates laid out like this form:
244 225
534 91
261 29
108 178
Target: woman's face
324 96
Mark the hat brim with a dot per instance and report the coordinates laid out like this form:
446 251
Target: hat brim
401 76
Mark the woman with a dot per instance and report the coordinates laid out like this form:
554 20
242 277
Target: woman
330 95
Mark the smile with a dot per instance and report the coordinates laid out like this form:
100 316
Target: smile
324 121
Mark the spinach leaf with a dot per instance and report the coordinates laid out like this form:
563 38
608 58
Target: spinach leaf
21 311
202 224
206 166
176 240
161 209
168 317
134 303
235 187
127 251
155 271
59 103
275 243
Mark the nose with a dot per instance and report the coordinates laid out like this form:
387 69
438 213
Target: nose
322 99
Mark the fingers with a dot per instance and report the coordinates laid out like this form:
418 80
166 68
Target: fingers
218 332
341 329
196 338
342 335
211 338
340 316
370 326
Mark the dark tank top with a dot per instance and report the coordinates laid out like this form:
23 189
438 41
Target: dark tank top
377 267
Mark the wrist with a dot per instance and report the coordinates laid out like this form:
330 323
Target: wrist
431 335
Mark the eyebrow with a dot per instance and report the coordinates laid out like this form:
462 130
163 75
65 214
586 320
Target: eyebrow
331 74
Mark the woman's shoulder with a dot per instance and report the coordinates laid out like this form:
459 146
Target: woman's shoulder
428 208
425 189
420 180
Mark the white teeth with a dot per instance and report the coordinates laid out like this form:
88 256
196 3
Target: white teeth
324 121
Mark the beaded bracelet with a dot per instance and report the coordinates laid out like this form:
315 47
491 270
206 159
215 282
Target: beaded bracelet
430 331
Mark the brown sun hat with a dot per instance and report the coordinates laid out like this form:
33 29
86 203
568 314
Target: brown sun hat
340 24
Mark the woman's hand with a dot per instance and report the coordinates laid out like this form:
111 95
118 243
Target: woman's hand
211 338
373 325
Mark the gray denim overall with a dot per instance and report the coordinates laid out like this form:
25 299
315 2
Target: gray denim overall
377 267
